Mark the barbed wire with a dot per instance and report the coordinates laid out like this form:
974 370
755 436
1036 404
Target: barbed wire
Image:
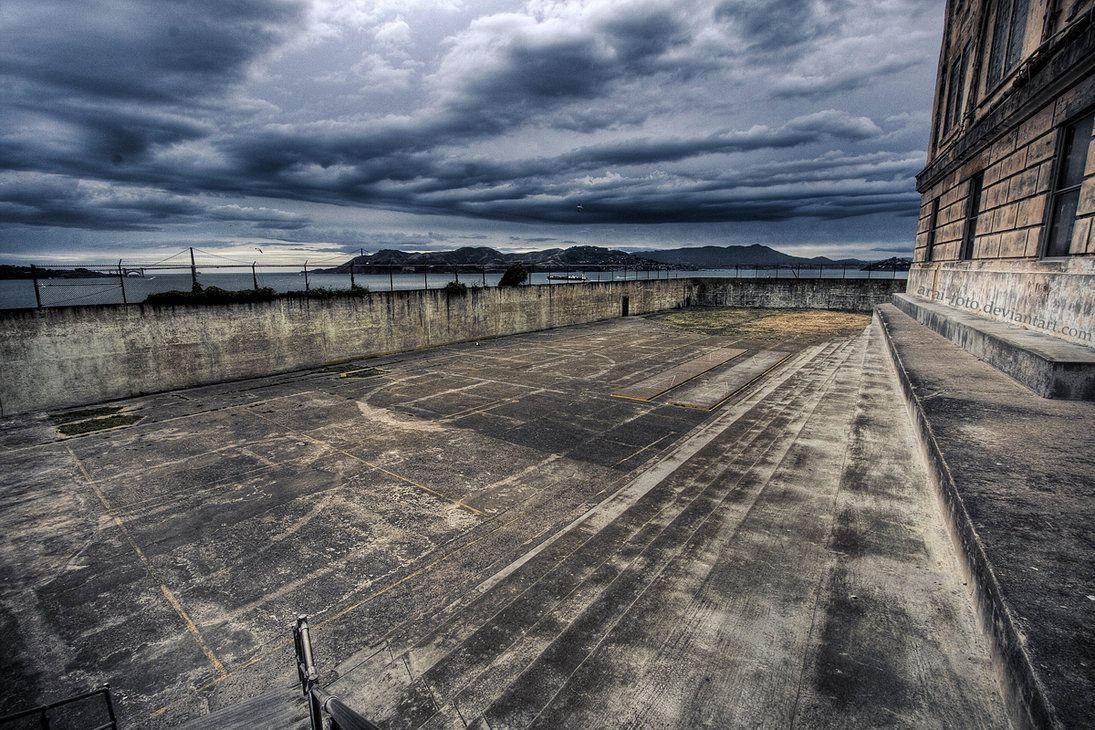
85 296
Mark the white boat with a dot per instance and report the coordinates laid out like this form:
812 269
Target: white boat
566 277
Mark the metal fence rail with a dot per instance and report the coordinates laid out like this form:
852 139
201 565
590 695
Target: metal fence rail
321 703
42 713
132 281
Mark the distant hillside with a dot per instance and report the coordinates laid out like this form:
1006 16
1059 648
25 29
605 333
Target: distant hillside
721 257
8 271
575 257
894 263
589 257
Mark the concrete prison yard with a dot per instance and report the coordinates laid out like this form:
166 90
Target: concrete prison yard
710 517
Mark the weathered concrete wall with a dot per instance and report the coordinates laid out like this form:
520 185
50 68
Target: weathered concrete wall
53 358
61 357
860 295
1055 296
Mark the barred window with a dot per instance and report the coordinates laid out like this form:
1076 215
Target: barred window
1007 38
1072 147
933 222
973 211
956 90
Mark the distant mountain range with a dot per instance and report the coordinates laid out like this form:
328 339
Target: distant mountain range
9 271
591 257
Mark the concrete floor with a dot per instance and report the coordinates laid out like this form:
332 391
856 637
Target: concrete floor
486 534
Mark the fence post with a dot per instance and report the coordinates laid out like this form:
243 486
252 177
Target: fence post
484 275
426 277
306 669
391 281
110 706
193 272
306 287
37 291
353 284
255 276
456 270
121 281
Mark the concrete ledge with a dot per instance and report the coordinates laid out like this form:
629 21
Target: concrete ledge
1049 366
1013 497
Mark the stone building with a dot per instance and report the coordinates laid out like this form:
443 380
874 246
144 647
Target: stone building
1007 219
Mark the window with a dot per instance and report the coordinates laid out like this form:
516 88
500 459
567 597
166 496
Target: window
956 91
933 221
1072 148
1007 38
973 208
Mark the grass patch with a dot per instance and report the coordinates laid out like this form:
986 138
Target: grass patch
456 288
98 424
70 416
779 323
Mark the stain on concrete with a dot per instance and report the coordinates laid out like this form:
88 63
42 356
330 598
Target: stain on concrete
528 549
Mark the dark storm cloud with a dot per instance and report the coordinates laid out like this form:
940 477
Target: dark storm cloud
781 28
33 199
174 51
106 82
855 78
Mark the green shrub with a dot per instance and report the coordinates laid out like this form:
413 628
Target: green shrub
515 275
456 288
216 295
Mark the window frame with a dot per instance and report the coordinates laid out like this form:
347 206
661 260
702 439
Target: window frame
1055 191
933 224
1005 70
953 102
973 215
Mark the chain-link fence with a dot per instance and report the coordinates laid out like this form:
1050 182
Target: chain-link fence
195 271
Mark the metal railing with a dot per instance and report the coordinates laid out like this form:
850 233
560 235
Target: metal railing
321 703
42 712
193 269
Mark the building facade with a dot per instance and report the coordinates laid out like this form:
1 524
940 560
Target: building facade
1007 217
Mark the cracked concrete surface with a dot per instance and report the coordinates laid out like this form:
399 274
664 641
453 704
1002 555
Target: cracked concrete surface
484 534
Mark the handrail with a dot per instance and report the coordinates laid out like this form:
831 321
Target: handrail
321 702
43 710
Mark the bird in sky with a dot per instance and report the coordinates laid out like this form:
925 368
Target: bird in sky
258 249
580 207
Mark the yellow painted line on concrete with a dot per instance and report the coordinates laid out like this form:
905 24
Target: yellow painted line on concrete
408 480
266 649
168 595
624 396
371 465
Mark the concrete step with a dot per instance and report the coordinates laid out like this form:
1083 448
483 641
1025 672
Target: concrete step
500 672
1014 472
714 518
830 604
1048 365
460 651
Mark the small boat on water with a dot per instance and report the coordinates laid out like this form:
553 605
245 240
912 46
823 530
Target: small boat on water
566 277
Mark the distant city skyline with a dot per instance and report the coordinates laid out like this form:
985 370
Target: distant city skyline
318 128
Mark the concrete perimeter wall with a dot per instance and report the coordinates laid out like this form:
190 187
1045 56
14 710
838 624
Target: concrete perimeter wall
858 295
52 358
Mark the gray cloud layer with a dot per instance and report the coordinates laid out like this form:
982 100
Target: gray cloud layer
125 115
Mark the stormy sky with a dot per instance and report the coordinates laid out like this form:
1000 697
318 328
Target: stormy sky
129 128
